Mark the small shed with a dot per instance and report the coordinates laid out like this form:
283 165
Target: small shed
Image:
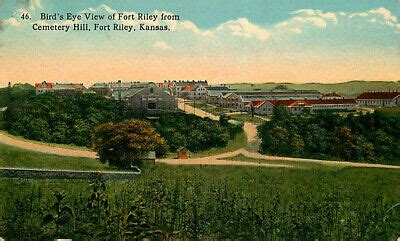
182 153
150 157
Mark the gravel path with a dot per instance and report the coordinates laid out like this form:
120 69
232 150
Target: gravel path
45 148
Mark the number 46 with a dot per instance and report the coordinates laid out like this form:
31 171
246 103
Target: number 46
25 16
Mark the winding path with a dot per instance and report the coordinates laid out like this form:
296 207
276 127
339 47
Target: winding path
12 141
221 159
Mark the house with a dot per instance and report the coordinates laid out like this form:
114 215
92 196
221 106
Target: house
297 107
259 107
147 97
214 93
101 88
68 87
58 87
232 101
389 99
185 91
198 93
44 87
178 85
110 89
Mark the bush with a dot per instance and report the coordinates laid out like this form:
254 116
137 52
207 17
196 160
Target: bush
126 144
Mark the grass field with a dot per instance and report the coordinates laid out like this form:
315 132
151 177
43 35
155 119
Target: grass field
247 118
351 88
210 202
15 157
215 110
240 141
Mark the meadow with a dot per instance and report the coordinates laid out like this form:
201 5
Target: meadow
207 202
350 88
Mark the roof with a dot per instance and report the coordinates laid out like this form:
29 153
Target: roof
44 84
182 148
332 94
379 95
257 103
187 88
68 86
217 88
309 103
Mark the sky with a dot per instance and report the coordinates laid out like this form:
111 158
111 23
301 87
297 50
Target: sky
223 41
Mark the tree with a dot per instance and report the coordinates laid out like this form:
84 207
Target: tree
127 143
342 143
276 141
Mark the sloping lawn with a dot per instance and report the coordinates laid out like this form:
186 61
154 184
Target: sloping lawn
15 157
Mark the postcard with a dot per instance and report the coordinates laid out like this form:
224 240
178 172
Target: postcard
199 120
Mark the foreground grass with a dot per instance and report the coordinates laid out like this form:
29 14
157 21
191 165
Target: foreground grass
212 202
15 157
240 141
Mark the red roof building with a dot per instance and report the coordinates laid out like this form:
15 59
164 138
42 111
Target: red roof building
298 106
390 98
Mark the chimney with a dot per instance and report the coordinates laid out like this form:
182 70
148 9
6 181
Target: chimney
119 90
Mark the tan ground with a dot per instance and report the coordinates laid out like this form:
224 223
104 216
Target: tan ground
45 148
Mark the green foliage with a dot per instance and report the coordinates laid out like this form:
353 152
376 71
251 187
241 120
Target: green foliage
193 132
126 144
366 138
207 202
17 93
71 119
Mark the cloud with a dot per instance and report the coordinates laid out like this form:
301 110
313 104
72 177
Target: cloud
161 45
32 4
378 15
386 14
328 16
12 22
243 28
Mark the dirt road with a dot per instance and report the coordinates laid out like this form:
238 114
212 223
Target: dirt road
221 160
8 140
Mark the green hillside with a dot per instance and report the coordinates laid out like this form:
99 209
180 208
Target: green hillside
351 88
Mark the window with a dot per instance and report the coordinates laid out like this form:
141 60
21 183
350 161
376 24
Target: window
151 90
152 106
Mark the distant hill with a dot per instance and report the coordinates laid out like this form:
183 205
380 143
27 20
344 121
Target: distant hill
351 88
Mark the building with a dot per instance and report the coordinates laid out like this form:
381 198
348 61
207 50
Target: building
177 87
199 92
389 99
45 87
214 93
232 101
333 95
108 88
278 93
148 97
297 107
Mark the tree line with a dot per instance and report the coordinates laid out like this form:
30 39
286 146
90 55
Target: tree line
373 138
72 118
